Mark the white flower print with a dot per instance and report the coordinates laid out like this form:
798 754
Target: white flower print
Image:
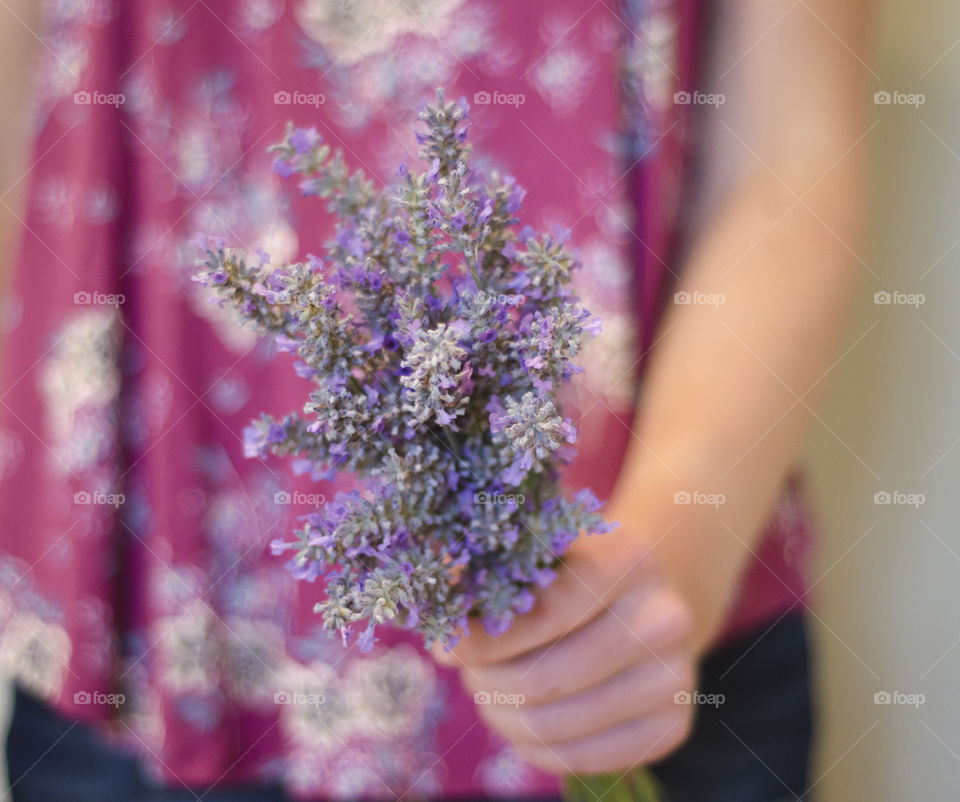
503 772
563 77
253 652
79 382
392 693
314 710
189 649
351 30
35 652
257 16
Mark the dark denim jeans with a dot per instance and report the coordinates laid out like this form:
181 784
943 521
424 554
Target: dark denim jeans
753 743
750 742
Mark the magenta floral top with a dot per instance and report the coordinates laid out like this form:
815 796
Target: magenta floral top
137 589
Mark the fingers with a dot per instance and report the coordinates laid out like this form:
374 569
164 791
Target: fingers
642 740
642 691
587 681
634 630
581 592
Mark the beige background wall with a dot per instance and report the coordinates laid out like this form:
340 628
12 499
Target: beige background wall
889 597
890 594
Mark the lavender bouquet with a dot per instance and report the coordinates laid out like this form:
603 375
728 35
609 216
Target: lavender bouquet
437 338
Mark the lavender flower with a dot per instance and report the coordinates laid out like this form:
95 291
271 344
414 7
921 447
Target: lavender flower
530 430
437 381
437 338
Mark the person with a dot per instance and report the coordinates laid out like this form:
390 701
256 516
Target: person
707 160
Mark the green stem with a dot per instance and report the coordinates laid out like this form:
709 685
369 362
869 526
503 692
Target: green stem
638 785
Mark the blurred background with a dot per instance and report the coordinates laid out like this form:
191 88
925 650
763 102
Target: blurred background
885 453
888 598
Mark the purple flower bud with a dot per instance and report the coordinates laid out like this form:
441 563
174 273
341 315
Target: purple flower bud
366 639
285 343
303 139
496 625
304 371
307 573
282 167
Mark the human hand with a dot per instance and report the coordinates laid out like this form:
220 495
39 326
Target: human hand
591 673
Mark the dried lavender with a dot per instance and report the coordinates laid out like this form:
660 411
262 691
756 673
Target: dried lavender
437 338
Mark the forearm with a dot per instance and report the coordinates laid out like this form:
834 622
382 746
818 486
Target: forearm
731 387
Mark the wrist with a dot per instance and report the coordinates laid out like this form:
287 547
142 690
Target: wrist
700 555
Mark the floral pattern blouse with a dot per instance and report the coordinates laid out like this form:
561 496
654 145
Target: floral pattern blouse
137 589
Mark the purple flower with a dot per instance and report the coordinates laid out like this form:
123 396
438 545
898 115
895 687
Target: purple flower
308 572
366 639
303 139
485 213
496 625
282 167
304 371
254 441
517 194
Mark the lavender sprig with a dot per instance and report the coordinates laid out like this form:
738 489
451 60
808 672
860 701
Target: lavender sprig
437 338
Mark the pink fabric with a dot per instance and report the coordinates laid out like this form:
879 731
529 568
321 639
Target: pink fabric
133 554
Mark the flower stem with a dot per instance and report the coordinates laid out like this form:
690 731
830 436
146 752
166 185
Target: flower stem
638 785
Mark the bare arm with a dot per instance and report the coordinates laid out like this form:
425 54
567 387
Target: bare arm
615 637
731 387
